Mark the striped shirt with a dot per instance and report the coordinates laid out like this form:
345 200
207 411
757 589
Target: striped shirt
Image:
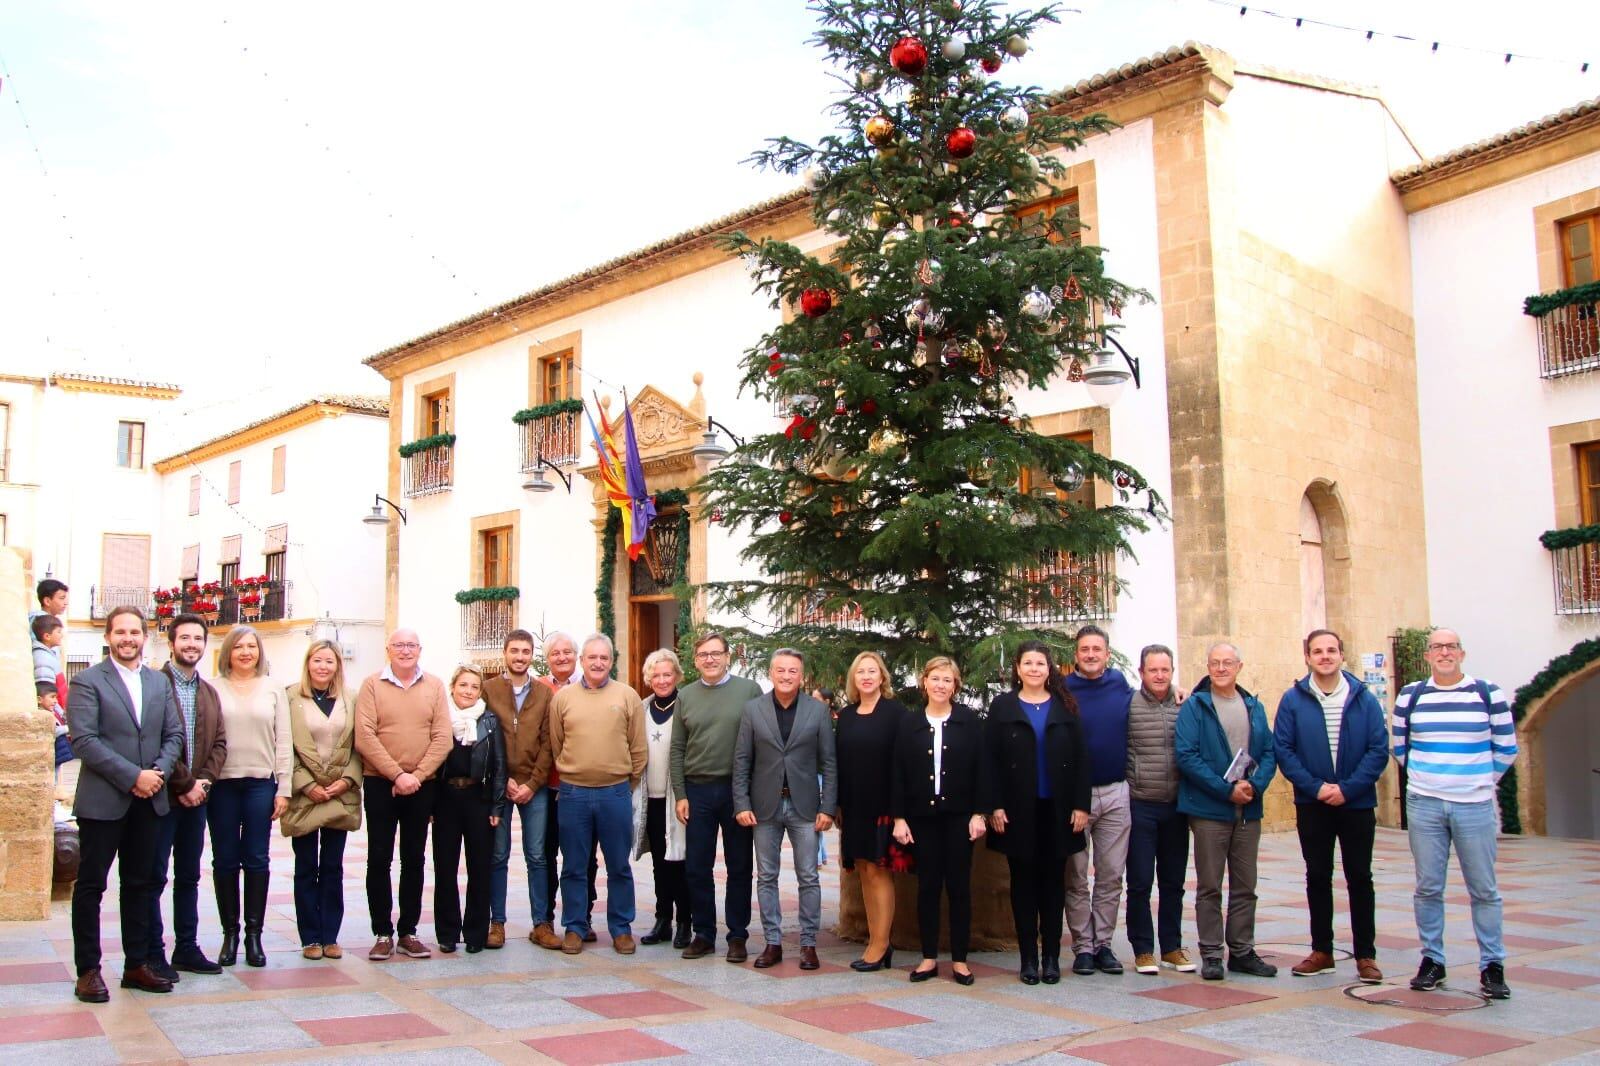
1453 746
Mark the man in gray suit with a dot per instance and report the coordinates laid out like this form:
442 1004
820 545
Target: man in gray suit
124 723
785 741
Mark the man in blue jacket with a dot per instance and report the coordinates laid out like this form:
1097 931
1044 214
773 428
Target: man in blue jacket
1225 762
1332 745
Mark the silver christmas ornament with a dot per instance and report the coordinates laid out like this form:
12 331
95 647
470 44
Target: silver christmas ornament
1036 305
868 80
917 314
1014 118
954 50
1017 45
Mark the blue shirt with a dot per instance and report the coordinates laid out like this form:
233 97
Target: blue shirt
1037 714
1103 710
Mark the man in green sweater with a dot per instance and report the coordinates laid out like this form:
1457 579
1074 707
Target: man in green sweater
709 711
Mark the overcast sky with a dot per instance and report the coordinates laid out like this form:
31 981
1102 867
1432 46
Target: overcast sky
249 199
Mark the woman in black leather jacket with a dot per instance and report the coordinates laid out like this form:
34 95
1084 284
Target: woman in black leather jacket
469 803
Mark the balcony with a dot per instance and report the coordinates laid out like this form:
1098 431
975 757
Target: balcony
1569 330
104 598
1067 589
271 602
429 464
1575 568
822 609
550 432
487 615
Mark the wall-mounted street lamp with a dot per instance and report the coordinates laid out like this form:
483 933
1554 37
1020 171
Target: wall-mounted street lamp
1104 377
710 448
538 483
377 517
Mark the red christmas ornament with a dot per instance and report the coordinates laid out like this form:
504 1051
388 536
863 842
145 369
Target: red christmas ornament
808 429
869 407
909 56
775 367
960 142
815 302
1123 481
957 219
785 517
839 406
991 64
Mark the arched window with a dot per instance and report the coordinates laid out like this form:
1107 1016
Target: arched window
1313 574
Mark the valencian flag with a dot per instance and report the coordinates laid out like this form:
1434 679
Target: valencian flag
644 505
611 472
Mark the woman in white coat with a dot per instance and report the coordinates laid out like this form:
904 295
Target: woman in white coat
654 827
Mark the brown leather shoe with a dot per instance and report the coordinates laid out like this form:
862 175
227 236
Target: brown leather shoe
622 944
1367 970
91 987
770 955
572 943
497 935
311 951
808 958
332 951
410 946
699 948
1318 962
544 934
145 979
736 951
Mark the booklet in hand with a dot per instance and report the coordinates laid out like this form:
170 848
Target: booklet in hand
1240 768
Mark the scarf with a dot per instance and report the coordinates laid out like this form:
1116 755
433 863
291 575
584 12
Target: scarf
464 723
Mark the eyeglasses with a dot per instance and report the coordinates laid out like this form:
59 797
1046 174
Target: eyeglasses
709 654
1444 647
1223 664
406 647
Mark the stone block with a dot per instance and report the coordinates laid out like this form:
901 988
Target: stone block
27 738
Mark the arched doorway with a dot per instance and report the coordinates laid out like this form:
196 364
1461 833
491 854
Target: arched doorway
1324 559
1313 575
1561 738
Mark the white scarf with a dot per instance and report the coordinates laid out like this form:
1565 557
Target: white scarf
464 723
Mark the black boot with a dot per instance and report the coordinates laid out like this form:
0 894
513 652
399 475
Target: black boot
255 913
681 938
1050 969
1029 972
659 933
227 889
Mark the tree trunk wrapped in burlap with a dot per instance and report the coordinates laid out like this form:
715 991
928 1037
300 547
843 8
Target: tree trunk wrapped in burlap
992 928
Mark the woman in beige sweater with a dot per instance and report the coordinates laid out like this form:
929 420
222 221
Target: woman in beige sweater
325 802
251 791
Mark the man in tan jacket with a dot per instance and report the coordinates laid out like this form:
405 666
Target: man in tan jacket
402 735
523 708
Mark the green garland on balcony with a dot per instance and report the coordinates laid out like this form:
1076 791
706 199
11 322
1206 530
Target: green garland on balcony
493 592
608 560
545 410
1542 304
438 440
1570 538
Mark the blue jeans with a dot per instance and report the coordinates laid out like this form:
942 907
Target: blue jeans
1434 824
1158 852
711 810
603 814
532 815
180 837
240 814
802 833
319 885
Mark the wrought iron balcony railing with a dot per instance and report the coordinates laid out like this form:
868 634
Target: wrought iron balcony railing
430 471
102 598
1068 589
485 623
553 436
1569 330
1576 573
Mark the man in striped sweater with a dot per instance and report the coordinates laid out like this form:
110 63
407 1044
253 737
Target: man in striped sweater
1455 737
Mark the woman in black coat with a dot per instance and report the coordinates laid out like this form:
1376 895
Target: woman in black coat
1039 776
867 728
468 806
937 799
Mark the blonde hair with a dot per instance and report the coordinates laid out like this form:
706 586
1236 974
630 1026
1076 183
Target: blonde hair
229 642
661 655
465 668
938 662
853 694
337 685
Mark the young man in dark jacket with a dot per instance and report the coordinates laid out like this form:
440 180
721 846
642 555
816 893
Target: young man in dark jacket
1332 745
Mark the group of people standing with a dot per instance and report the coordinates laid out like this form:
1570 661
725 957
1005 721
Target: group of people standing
1081 779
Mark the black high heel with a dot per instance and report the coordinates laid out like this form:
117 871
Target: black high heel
967 978
919 976
886 962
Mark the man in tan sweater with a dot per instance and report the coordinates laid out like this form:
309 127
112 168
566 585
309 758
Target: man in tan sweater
598 742
402 735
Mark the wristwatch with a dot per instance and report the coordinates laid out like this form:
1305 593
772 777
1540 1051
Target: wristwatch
205 786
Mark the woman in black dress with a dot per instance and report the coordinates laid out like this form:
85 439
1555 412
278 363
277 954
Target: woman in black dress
1039 778
865 750
937 798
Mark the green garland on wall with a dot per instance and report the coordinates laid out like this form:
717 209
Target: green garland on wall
438 440
1541 684
608 560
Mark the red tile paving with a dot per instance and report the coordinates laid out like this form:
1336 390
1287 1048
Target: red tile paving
633 1004
1396 943
1143 1049
596 1049
67 1025
32 973
300 977
1551 978
1446 1039
1532 918
371 1028
1535 943
854 1017
1206 997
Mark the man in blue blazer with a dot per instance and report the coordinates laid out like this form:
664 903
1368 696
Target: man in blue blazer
1332 745
124 722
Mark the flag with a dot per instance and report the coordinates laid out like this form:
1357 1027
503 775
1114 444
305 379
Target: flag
611 475
644 505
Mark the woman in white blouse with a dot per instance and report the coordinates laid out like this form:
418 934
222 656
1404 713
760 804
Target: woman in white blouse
251 791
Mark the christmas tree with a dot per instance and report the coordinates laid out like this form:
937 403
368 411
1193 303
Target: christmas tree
891 512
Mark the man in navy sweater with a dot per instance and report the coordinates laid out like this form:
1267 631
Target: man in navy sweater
1103 696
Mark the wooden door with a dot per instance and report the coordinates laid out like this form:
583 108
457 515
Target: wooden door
644 636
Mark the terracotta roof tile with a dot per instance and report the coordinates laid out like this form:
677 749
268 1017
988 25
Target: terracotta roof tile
1583 114
367 405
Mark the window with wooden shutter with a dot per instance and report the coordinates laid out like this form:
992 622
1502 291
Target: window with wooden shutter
190 568
1579 237
194 494
496 550
235 471
277 539
124 567
279 459
230 550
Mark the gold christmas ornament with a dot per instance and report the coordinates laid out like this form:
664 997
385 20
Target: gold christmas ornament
880 131
885 441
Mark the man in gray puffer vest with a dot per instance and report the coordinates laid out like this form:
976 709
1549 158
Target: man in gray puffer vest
1158 845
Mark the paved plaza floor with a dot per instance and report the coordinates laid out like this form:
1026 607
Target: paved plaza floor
524 1004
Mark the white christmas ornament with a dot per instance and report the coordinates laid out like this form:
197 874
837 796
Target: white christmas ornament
1014 118
954 50
1017 45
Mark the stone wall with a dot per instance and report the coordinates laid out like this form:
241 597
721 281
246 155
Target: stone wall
27 757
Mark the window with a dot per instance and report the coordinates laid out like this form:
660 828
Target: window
130 445
496 548
279 459
5 442
276 549
124 572
1579 237
1066 203
1589 482
228 575
235 472
2 530
194 493
189 570
230 550
557 377
1082 496
435 414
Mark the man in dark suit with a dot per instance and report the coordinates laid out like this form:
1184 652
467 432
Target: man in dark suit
124 722
181 834
785 742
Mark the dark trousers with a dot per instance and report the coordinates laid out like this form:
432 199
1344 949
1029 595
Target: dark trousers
319 885
129 840
240 815
1319 825
180 838
944 864
552 872
672 889
711 810
461 817
1158 853
387 813
1039 885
